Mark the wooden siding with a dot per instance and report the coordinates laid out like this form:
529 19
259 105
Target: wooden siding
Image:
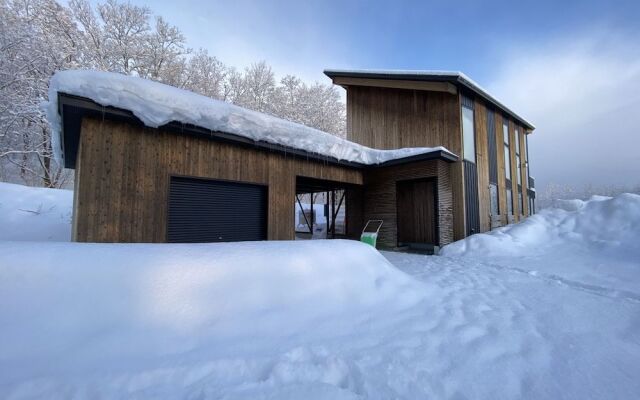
393 118
502 195
482 163
514 171
389 118
122 177
380 197
523 171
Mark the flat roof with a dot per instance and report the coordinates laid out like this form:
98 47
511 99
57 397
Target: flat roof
455 77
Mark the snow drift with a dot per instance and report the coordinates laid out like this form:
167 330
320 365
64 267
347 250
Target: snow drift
28 213
70 307
602 222
157 104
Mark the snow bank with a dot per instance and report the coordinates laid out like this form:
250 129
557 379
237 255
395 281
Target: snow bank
73 312
38 214
601 222
157 104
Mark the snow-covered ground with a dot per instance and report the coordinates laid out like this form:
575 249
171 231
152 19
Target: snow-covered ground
557 318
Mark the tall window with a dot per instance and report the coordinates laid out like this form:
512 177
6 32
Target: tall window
507 156
519 175
518 165
509 202
468 134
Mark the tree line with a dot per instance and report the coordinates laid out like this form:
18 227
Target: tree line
39 37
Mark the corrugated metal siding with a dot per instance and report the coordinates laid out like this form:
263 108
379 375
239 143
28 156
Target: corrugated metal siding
202 210
472 209
467 102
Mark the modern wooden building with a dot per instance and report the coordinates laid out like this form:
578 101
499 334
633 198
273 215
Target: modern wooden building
490 183
180 182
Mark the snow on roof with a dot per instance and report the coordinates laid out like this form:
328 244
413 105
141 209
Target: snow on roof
456 76
157 104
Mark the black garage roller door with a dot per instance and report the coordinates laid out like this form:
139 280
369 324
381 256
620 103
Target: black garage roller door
202 210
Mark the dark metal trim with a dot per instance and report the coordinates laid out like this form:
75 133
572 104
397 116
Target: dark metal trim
73 109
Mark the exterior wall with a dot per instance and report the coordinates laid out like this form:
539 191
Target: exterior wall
482 163
502 194
380 197
122 177
389 118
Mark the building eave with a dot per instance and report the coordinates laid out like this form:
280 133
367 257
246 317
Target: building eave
457 78
73 109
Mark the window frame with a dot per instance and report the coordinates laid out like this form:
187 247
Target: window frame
465 141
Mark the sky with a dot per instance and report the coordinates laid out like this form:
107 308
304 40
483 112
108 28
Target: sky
570 67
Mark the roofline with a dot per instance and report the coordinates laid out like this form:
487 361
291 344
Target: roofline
73 109
455 77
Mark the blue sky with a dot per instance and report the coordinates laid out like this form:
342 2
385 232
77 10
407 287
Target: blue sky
571 67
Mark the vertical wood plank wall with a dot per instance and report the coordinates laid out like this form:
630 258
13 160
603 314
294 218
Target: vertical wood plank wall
502 195
388 118
122 177
483 167
482 163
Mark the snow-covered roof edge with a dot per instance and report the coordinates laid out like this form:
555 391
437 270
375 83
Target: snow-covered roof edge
456 76
157 104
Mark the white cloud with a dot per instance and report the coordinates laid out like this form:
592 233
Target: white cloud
583 95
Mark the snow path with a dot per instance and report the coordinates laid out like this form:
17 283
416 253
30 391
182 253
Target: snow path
560 340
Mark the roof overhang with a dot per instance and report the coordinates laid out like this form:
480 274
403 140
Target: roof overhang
420 80
73 109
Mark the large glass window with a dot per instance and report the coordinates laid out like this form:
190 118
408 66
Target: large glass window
468 134
493 195
507 157
521 203
509 202
518 164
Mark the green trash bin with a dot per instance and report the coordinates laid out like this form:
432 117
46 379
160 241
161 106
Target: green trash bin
370 232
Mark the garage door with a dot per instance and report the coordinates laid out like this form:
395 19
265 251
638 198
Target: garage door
202 210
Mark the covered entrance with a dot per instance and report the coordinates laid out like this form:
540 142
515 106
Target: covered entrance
321 208
417 213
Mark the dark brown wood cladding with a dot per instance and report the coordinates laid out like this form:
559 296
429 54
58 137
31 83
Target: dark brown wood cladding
122 177
417 210
387 118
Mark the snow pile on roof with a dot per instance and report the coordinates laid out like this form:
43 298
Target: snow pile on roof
157 104
93 316
28 213
603 222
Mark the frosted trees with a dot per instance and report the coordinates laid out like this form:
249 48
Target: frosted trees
38 37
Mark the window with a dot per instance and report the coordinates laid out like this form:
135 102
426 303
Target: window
532 208
509 202
493 195
468 134
518 165
507 158
521 203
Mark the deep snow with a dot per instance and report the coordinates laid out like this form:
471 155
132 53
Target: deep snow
28 213
157 104
558 318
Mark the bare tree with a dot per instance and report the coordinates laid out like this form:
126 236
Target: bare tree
39 37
